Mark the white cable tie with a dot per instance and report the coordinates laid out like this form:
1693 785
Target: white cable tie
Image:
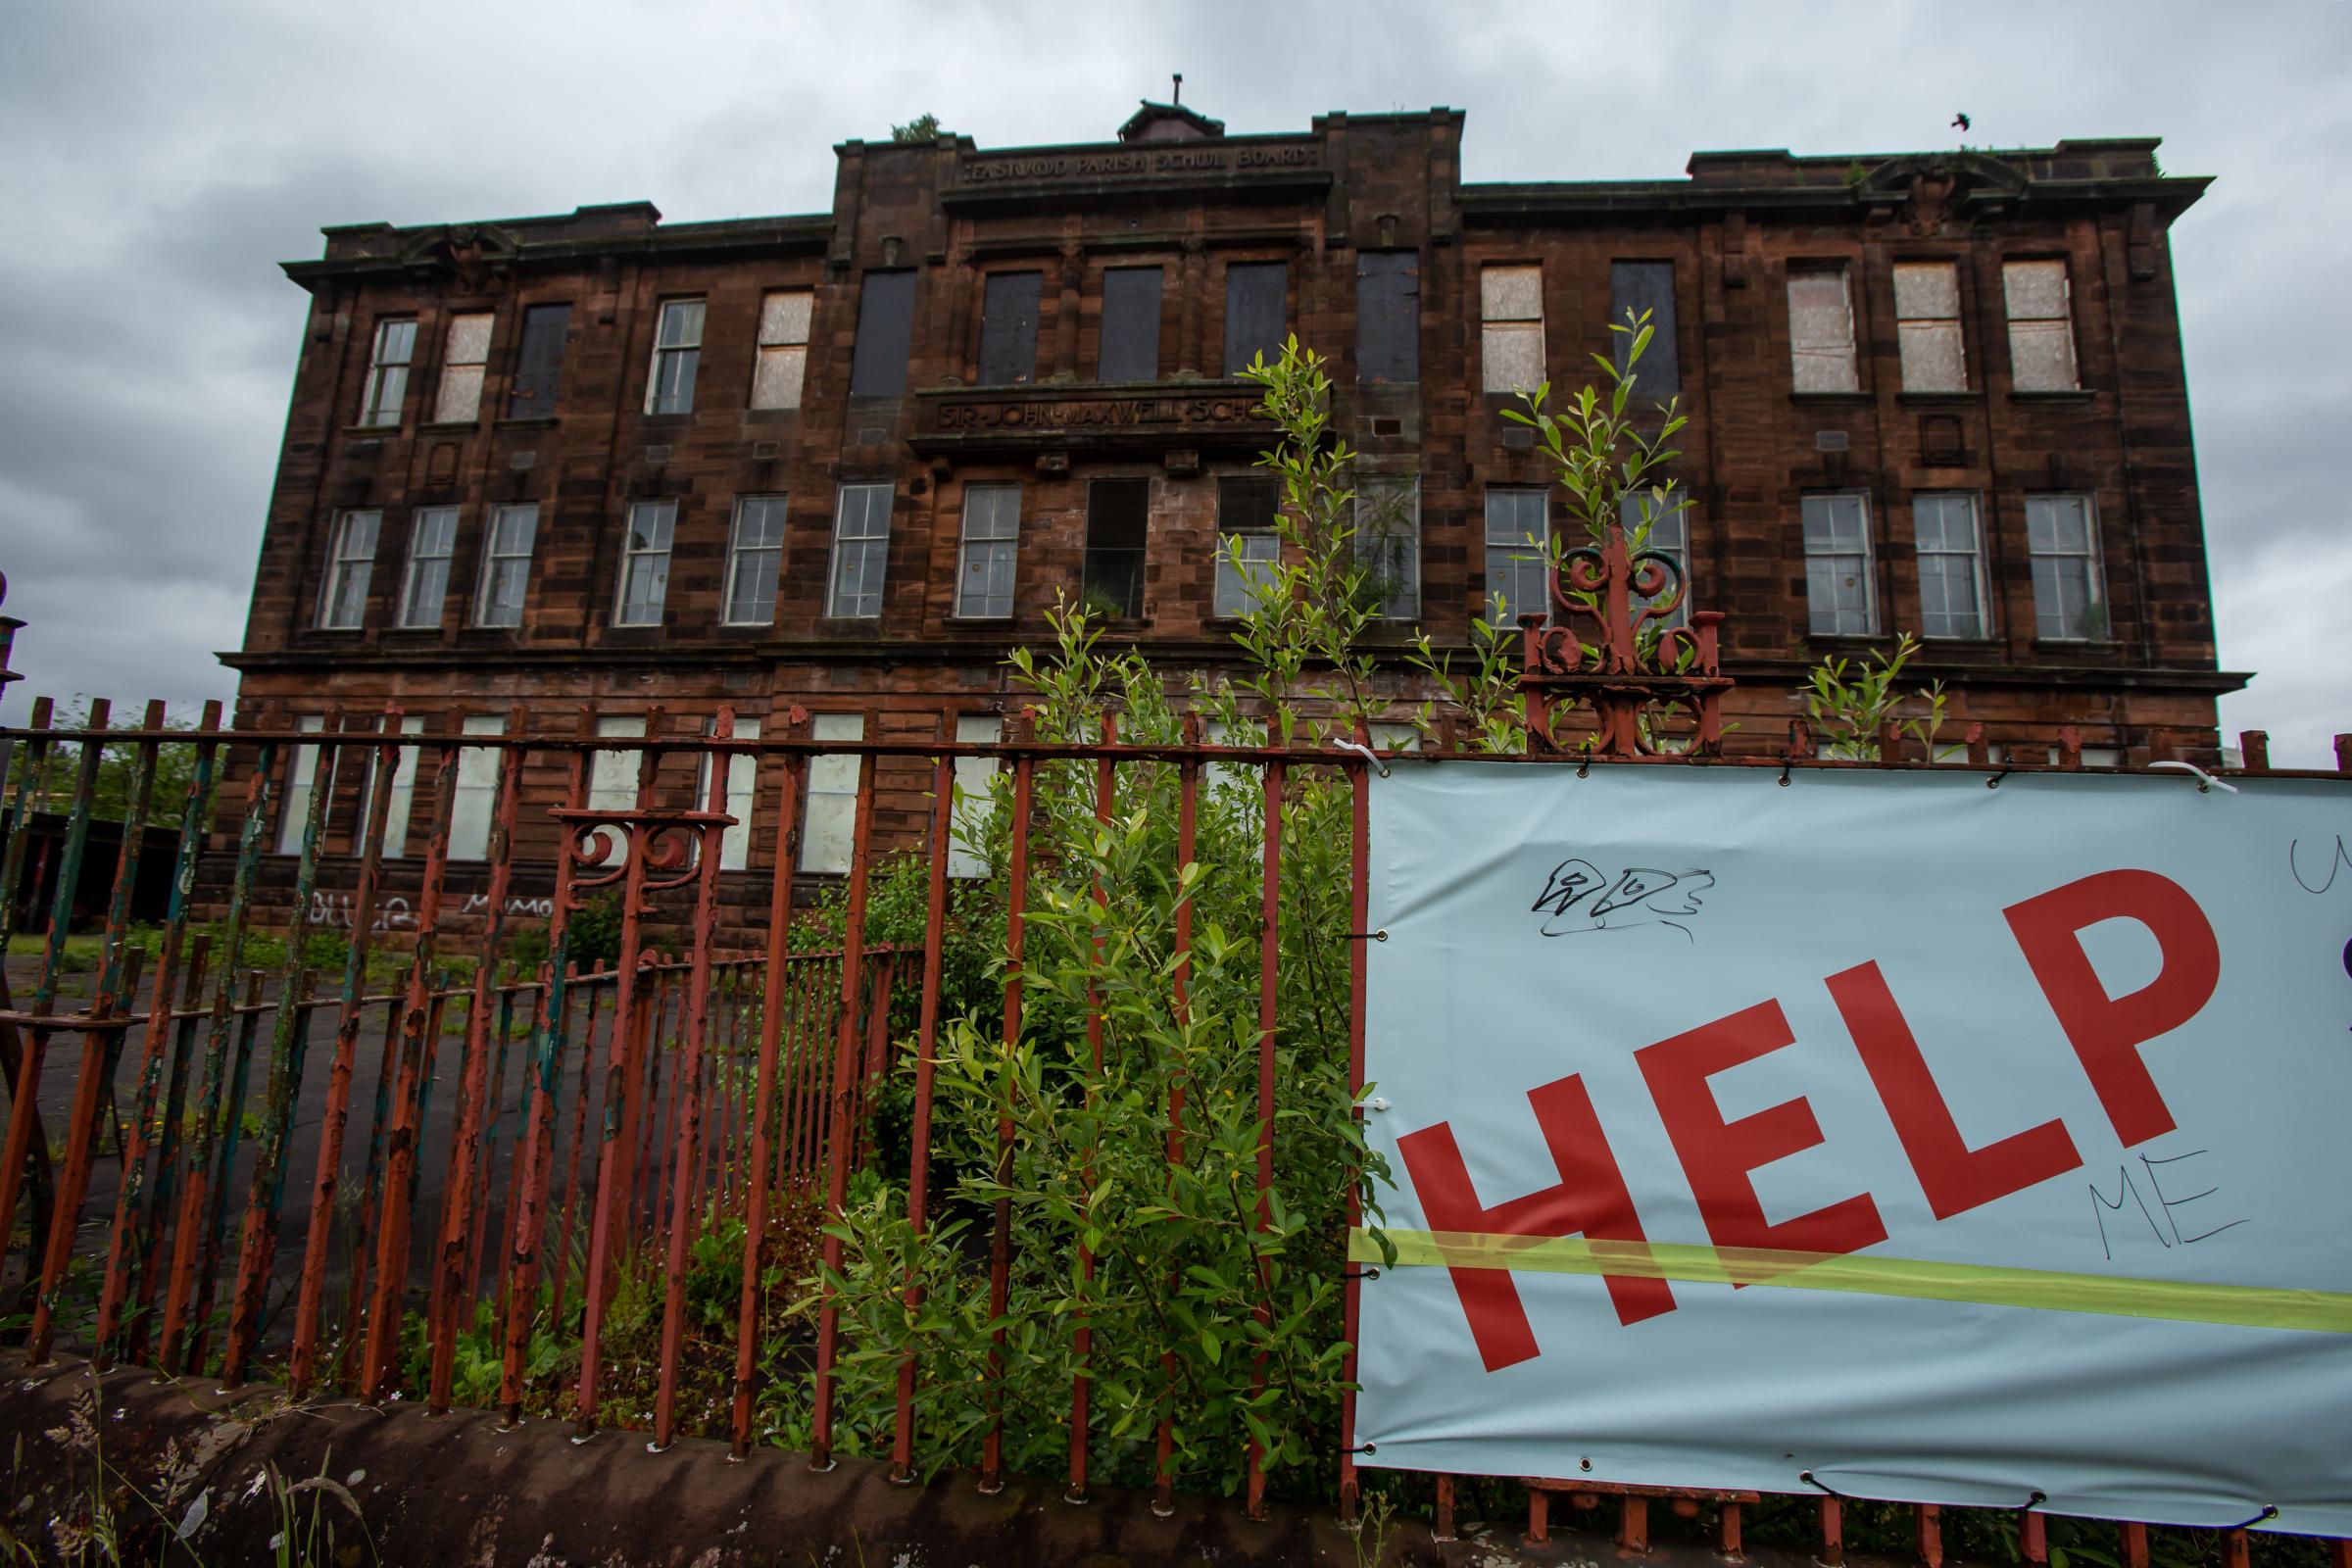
2205 782
1364 752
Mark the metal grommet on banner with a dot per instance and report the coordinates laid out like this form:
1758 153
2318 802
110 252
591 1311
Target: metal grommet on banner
1784 768
2206 782
1381 934
1359 1273
1995 782
2036 1501
1367 1447
1583 770
2270 1510
1813 1481
1365 752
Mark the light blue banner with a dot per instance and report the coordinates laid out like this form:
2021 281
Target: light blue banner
1950 1143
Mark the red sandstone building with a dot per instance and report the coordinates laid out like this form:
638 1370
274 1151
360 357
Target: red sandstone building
847 460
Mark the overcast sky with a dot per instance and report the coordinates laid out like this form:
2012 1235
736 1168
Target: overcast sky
158 161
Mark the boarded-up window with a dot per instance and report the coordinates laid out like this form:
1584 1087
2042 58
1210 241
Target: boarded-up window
1636 288
828 838
1510 338
1927 326
539 363
992 533
754 556
1257 303
677 357
466 353
1952 565
975 804
1130 325
1118 518
474 801
861 551
1387 541
1008 329
1837 574
1248 546
1387 316
1518 521
885 336
2041 328
2069 605
1821 330
783 348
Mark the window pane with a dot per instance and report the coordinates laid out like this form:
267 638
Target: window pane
2057 522
539 365
1667 536
1387 541
1511 294
681 325
828 835
885 334
506 568
861 549
1129 349
1117 513
974 801
1926 290
1517 521
1512 357
1257 310
396 342
743 777
474 801
784 317
1838 585
778 379
754 557
1008 329
302 782
613 775
991 529
433 534
404 794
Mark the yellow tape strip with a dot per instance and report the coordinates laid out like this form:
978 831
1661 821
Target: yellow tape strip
2180 1301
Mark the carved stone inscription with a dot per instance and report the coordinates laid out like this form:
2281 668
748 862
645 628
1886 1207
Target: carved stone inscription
1129 162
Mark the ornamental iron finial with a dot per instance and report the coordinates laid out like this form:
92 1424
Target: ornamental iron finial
1637 671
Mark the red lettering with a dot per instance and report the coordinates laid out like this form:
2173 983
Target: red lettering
2106 1031
1955 1177
1717 1155
1590 1200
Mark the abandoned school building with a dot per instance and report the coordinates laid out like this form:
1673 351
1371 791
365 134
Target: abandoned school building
847 461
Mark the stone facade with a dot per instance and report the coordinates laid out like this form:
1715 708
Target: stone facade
1004 262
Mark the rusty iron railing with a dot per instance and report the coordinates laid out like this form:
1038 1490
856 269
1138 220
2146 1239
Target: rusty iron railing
638 1095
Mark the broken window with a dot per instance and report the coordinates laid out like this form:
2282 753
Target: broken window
1129 349
1248 547
1118 518
466 351
1387 541
645 563
783 363
1256 306
1821 330
350 564
1927 326
1511 337
1952 565
1838 574
1387 316
1637 287
754 557
885 336
861 551
2069 605
1518 522
677 355
432 540
992 530
1008 329
506 565
2041 327
539 363
388 371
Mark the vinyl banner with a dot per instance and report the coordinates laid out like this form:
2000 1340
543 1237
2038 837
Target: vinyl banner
1934 1142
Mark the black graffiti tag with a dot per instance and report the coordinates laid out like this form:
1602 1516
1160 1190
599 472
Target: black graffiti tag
1579 896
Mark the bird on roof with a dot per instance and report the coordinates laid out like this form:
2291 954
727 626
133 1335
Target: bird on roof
1961 121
